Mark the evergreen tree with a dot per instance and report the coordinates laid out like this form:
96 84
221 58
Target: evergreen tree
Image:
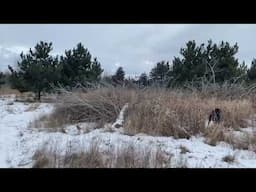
2 77
95 71
16 81
191 66
119 76
227 66
37 70
160 73
78 67
251 73
143 79
213 63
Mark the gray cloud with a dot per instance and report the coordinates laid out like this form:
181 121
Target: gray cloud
136 47
9 56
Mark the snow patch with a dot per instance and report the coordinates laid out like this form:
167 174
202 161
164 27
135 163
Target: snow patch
13 126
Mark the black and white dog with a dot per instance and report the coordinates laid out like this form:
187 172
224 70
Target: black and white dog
215 116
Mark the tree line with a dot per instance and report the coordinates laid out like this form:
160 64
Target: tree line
209 63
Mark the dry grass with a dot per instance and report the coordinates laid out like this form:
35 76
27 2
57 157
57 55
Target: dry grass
100 106
89 159
42 160
129 157
167 113
244 141
26 97
5 90
215 134
237 139
48 123
125 157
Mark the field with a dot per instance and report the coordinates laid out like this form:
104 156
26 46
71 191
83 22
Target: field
126 128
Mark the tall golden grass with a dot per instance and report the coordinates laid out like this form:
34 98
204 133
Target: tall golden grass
167 113
125 157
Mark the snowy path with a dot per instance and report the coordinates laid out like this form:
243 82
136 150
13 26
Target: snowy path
13 125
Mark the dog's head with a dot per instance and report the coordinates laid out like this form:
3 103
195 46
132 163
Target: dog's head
217 111
217 114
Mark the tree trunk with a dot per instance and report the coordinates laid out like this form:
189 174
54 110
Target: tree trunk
213 73
39 95
213 76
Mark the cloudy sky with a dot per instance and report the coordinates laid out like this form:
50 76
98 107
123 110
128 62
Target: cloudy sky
135 47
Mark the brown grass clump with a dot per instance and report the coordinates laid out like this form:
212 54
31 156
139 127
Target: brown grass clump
100 106
127 157
5 90
167 113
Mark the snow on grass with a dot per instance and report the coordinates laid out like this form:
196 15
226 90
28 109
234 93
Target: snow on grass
200 154
13 125
18 143
80 128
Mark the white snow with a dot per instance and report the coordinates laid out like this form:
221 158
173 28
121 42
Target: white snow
13 125
18 143
120 119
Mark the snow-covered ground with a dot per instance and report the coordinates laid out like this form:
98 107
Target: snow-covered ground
14 120
18 143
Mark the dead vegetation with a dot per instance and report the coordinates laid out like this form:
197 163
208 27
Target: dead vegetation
6 91
122 157
100 106
167 113
215 134
25 97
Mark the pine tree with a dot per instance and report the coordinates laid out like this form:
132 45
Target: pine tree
227 66
251 73
160 73
95 71
37 71
2 77
17 81
213 63
143 79
190 67
78 67
119 76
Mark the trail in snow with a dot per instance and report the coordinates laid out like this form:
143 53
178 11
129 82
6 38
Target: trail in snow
13 126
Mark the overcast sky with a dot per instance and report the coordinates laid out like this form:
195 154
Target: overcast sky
135 47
